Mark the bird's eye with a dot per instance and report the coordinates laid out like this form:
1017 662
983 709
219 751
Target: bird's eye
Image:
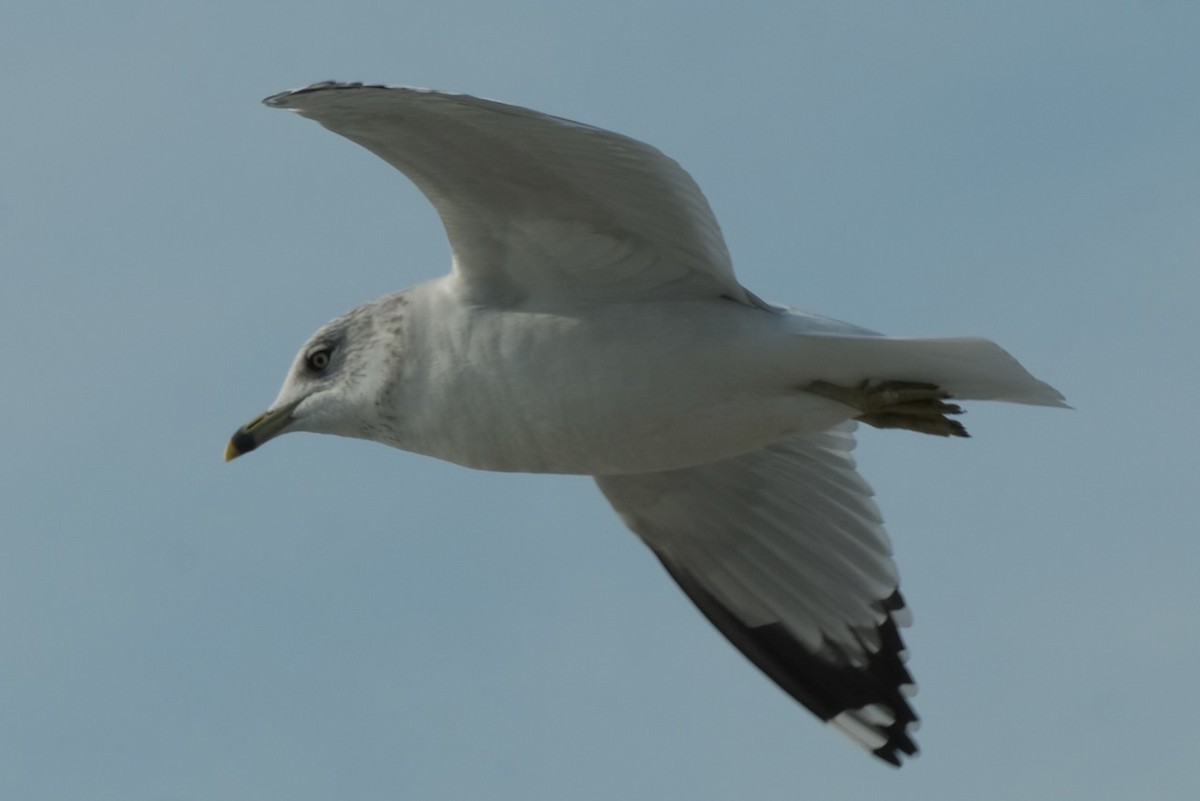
317 359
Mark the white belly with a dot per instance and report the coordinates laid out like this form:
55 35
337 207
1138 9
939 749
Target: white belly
592 393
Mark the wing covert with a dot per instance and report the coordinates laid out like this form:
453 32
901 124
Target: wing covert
535 205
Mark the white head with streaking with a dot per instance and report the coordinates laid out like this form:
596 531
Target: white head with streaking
336 379
592 324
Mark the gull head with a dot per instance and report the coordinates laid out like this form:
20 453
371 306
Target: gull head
335 379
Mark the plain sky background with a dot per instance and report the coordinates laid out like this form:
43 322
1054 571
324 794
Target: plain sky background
332 619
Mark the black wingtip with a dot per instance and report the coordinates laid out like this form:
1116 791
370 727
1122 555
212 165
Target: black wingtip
832 688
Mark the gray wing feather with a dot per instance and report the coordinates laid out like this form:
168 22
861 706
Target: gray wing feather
784 551
535 205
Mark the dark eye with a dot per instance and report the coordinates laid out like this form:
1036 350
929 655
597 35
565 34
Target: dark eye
317 359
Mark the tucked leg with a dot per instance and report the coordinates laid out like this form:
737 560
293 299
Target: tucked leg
897 404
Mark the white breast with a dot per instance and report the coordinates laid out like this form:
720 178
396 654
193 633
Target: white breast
590 391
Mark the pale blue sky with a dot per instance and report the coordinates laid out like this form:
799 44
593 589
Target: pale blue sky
333 619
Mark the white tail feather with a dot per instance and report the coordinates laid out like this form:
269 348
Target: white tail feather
968 368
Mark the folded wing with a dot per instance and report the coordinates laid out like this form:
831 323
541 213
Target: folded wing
784 551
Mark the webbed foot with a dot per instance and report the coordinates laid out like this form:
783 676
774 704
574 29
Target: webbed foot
897 404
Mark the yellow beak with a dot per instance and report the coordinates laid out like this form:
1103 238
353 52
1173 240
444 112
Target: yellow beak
266 426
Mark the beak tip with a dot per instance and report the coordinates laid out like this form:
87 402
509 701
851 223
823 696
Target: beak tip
242 442
266 426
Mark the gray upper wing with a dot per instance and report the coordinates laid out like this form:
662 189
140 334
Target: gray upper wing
536 206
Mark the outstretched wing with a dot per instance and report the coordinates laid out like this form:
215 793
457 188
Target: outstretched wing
536 206
784 551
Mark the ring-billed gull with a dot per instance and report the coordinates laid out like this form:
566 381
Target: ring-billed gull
592 324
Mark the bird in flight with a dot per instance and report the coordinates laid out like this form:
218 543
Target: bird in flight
591 324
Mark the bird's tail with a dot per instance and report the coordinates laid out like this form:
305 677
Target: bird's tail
968 368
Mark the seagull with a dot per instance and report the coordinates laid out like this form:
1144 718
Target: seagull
591 324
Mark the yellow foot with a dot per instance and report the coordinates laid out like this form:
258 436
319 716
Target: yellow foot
897 404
